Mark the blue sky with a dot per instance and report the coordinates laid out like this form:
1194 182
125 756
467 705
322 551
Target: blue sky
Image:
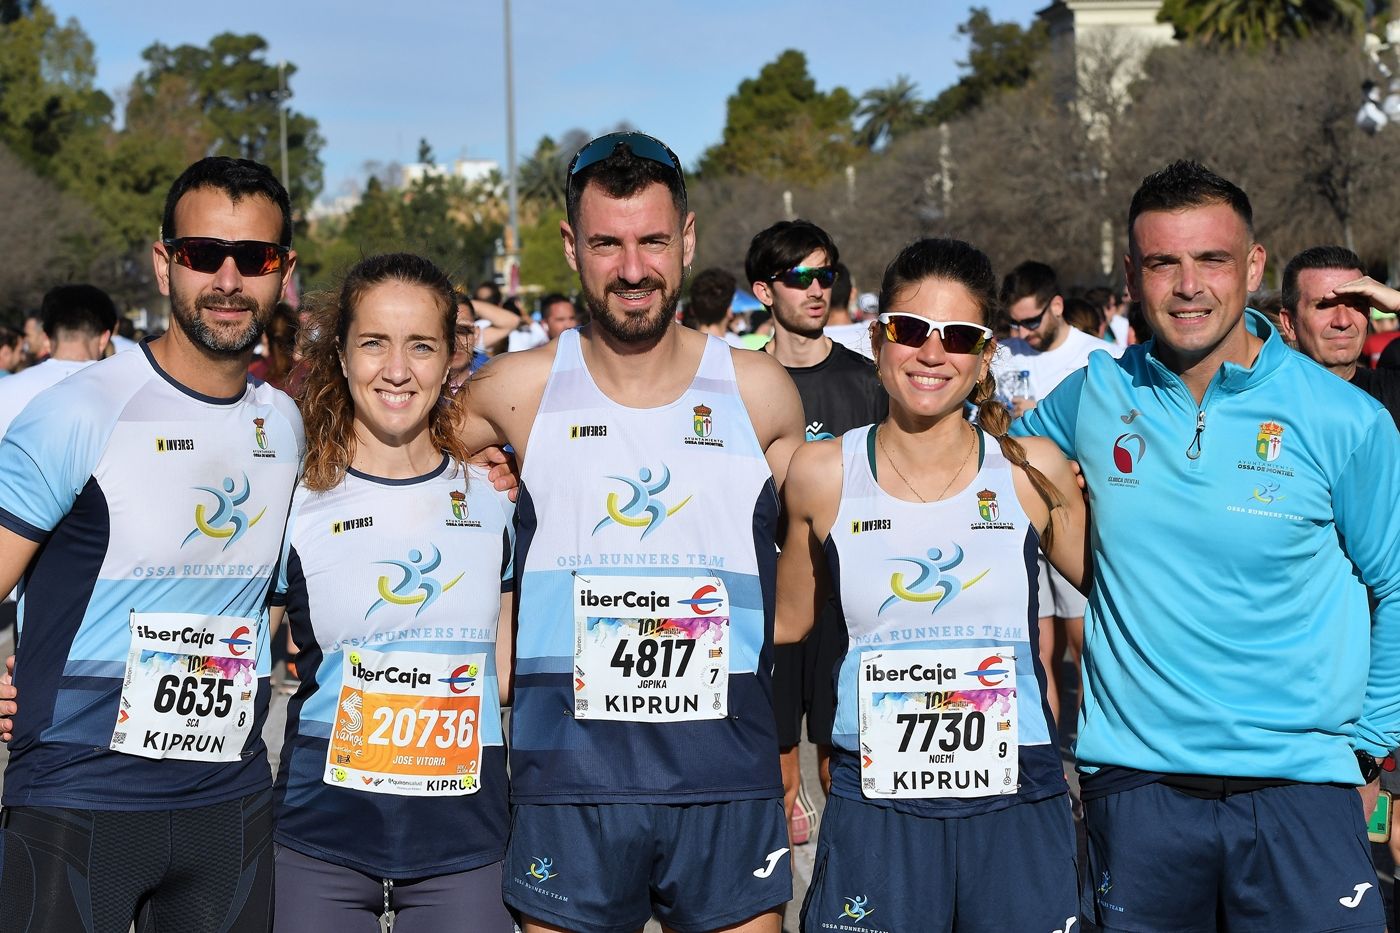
380 75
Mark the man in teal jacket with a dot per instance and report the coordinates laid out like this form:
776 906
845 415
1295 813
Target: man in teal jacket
1239 680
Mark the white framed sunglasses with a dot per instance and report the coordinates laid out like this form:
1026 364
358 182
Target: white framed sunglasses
912 330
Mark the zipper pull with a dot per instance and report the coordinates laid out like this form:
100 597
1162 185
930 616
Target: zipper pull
1193 450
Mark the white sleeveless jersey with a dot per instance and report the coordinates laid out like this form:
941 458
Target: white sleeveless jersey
951 584
393 591
646 560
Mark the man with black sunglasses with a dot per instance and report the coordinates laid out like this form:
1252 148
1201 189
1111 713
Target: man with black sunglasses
1041 342
644 765
143 500
791 267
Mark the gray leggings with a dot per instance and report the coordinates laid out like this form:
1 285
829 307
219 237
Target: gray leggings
314 896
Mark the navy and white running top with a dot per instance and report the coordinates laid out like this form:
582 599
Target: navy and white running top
647 561
148 498
393 591
936 577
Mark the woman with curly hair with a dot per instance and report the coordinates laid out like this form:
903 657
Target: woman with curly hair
391 795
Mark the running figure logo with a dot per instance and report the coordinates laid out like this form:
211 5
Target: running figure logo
540 869
934 584
415 587
228 521
642 509
352 705
856 908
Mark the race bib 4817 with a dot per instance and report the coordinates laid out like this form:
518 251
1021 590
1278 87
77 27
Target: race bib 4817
651 649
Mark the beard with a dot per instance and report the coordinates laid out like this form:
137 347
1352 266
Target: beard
642 327
798 321
221 340
1049 332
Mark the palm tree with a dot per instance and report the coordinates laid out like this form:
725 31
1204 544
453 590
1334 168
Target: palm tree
1257 23
888 111
541 175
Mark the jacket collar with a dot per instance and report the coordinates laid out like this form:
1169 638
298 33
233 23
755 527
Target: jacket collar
1232 377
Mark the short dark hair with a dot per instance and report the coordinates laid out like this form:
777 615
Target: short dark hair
10 338
77 309
239 179
784 245
1315 257
1185 184
1390 356
622 175
1081 313
950 260
495 297
553 298
711 294
841 288
1137 323
1100 296
1030 278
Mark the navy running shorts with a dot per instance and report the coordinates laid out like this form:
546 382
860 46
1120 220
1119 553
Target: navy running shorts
1292 858
606 868
882 871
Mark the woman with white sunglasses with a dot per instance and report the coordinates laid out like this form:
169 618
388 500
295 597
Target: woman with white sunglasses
949 808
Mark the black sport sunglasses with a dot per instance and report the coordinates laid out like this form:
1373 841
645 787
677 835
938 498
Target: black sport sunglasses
207 254
642 145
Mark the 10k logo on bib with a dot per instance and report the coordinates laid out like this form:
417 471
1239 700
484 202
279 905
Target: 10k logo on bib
651 649
938 723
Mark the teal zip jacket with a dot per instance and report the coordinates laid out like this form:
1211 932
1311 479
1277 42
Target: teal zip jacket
1229 629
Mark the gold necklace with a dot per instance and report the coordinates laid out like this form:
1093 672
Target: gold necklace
881 440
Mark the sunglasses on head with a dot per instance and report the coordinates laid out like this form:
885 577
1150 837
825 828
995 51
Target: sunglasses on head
1032 323
207 254
912 330
802 276
642 146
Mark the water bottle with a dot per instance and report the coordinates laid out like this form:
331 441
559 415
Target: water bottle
1021 393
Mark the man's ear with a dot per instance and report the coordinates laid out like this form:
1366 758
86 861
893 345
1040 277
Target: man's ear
764 293
570 244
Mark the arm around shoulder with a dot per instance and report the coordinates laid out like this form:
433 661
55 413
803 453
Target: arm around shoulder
502 398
